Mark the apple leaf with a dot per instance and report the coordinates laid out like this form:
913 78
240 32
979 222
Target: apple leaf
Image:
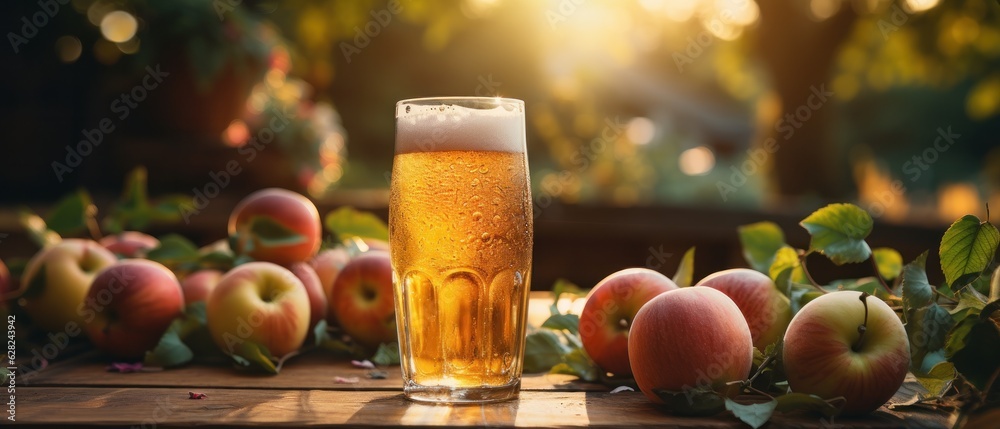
568 322
174 251
71 214
938 378
267 232
250 355
889 262
917 290
336 345
967 249
387 354
760 242
838 231
579 364
798 294
754 415
927 323
183 339
542 350
685 271
979 359
37 231
787 258
791 402
347 222
699 402
169 352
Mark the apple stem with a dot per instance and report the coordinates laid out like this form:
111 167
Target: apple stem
864 325
812 281
91 220
878 275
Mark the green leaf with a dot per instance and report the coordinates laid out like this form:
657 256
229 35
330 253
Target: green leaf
568 322
267 232
995 286
174 250
959 334
336 345
754 415
798 294
542 350
889 262
71 213
692 402
980 358
387 354
838 231
35 226
132 210
169 352
168 208
579 364
347 222
685 271
175 346
251 355
967 249
760 242
791 402
917 291
938 378
787 258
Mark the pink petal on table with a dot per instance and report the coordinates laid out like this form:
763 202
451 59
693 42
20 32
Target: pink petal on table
124 367
366 364
345 380
196 395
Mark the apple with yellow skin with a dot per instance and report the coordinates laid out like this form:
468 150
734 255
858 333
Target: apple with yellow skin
130 305
56 280
826 355
689 338
275 225
260 302
766 310
608 312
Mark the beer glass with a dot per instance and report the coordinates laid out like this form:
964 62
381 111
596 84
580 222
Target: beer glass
460 233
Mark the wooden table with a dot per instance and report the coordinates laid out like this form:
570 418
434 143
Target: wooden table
80 391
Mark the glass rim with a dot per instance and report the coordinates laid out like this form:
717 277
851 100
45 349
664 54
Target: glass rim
464 101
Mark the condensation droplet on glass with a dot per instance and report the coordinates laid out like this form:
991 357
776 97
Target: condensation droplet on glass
475 182
497 219
408 109
484 169
485 237
477 216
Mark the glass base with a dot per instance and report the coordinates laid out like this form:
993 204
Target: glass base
460 395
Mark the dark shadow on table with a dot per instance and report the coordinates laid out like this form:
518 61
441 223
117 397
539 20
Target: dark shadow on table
399 410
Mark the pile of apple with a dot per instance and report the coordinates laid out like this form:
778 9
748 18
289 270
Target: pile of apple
284 286
675 340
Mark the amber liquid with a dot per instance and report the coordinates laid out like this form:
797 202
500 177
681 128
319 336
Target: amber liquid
460 228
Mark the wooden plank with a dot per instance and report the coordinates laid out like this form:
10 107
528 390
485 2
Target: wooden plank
170 407
314 370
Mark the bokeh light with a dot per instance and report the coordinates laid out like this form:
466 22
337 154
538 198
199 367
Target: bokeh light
696 161
68 48
640 130
119 26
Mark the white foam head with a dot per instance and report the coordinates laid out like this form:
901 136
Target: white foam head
443 124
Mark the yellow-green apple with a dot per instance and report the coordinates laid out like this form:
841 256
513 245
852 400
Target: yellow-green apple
608 312
129 244
260 302
56 280
766 309
689 338
317 300
328 264
362 300
825 353
130 305
275 225
198 285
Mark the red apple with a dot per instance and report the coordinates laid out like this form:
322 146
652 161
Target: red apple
328 264
56 280
129 244
275 225
608 313
260 302
766 310
198 285
362 299
7 287
130 305
317 300
825 354
689 338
